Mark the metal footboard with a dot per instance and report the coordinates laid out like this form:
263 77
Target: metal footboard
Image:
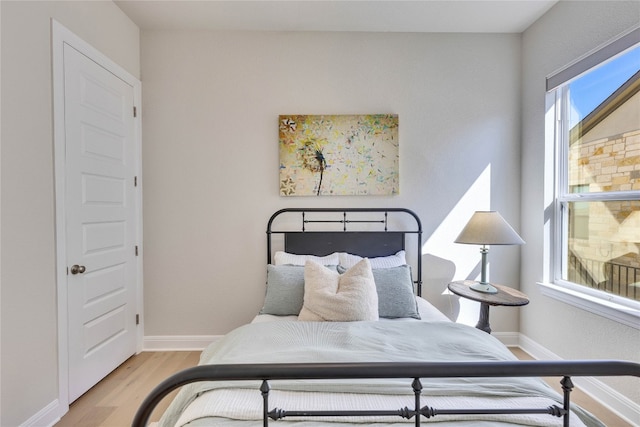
415 371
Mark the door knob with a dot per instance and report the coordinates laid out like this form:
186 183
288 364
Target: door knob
75 269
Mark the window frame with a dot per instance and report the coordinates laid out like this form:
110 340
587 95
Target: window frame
614 307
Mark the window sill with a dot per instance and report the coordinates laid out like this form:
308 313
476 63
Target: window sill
617 312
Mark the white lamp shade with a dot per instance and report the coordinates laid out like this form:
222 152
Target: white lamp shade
488 228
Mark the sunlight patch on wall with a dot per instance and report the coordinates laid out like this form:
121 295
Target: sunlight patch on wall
466 258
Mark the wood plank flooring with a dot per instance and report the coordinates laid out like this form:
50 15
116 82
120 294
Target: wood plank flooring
114 401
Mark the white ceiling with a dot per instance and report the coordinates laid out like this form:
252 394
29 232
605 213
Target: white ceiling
501 16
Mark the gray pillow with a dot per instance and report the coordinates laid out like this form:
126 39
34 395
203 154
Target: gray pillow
285 290
395 292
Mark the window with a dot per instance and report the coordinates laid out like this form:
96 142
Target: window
596 221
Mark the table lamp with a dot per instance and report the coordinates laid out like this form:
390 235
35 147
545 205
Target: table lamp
487 228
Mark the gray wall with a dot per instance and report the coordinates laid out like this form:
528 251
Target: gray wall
210 155
29 316
568 31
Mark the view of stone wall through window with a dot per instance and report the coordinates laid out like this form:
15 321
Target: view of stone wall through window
604 156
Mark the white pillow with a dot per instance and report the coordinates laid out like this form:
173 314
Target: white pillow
285 258
397 260
330 296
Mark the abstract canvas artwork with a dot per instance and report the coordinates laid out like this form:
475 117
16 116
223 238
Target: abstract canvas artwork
339 155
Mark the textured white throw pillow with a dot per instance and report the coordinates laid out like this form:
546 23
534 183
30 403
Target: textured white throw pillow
330 296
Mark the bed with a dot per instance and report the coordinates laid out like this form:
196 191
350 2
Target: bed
344 338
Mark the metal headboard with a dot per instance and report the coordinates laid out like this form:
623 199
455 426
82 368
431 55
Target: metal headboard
367 243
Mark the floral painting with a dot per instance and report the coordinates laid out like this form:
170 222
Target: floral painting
339 155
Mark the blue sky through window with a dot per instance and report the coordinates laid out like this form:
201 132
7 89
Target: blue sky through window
588 91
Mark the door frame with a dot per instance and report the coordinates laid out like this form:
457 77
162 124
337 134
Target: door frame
60 36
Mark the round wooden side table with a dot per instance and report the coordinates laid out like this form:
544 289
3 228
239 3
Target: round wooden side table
505 296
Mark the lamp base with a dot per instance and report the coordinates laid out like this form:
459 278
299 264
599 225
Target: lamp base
484 288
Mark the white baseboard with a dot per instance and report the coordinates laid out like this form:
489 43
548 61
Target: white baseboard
510 339
46 417
177 342
607 396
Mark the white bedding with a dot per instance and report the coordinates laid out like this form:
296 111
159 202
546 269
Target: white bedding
238 404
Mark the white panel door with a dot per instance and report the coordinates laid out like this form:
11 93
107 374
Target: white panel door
100 220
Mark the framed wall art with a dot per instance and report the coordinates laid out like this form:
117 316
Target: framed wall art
327 155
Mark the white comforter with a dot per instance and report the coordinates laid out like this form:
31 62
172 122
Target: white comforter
239 403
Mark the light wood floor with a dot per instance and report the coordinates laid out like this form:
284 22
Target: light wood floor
114 401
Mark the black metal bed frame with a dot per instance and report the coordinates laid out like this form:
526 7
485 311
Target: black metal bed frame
416 371
371 244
